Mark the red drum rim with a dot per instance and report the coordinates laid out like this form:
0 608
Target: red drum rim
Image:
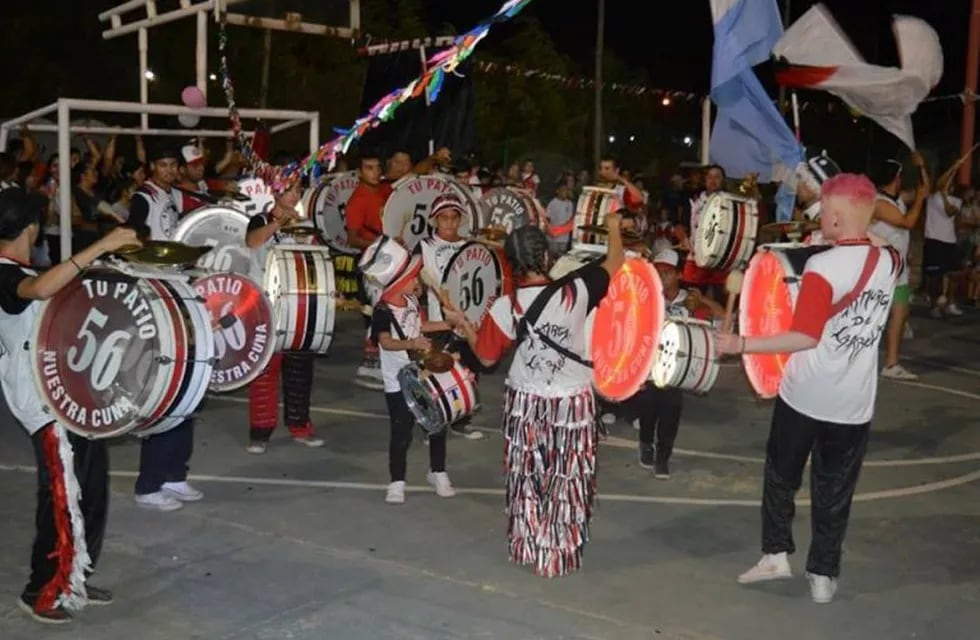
626 330
766 308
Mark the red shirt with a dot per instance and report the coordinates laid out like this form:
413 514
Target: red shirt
363 211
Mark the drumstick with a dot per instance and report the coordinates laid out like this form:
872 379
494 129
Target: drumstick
430 281
733 287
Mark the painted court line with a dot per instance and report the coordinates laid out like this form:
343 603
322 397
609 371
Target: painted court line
937 364
623 443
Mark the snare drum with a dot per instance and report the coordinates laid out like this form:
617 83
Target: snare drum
726 232
573 261
686 356
438 400
406 214
766 307
591 210
124 349
300 285
222 227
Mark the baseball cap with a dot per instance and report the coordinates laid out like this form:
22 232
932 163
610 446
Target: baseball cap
668 257
191 154
446 202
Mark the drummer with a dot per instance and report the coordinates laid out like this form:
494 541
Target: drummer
162 482
709 281
191 171
611 177
446 213
659 410
60 556
296 368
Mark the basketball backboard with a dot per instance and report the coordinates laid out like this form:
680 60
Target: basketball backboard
319 17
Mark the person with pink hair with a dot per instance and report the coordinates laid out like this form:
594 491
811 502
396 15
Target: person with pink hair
827 393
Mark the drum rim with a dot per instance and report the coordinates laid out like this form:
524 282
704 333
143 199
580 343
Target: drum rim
751 360
410 377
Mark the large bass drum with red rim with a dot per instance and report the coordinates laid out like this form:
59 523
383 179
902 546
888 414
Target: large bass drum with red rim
223 228
766 306
123 350
406 214
300 284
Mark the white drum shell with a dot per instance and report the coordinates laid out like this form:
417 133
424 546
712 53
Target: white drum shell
726 232
298 326
686 356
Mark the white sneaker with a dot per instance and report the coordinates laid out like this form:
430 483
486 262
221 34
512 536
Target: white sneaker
772 566
898 372
953 310
636 424
822 588
396 493
608 418
256 448
158 501
466 431
309 441
443 487
182 491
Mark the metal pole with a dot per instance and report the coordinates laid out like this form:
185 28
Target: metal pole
782 90
428 103
706 131
599 44
266 63
202 53
144 83
970 104
64 177
315 133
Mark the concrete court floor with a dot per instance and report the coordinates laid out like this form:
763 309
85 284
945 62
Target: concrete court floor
298 544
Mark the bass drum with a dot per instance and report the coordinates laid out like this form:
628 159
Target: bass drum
574 260
475 277
726 232
406 214
221 227
300 284
125 350
504 209
327 206
241 317
686 356
591 210
766 306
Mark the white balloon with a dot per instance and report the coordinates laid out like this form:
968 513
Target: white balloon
188 120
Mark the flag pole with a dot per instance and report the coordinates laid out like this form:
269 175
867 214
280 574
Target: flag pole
706 131
970 94
599 45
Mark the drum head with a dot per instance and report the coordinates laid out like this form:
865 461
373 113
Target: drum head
223 228
108 353
507 209
406 215
259 196
474 279
626 330
766 308
670 345
242 321
329 209
419 398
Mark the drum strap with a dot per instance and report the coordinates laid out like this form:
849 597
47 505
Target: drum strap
394 323
526 323
870 263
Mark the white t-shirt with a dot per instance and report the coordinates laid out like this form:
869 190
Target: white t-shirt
157 209
940 226
837 380
895 236
18 317
409 321
436 254
537 368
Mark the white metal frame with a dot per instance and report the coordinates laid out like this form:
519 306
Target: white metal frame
65 106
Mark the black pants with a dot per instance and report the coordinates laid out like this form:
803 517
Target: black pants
92 472
402 425
165 458
659 413
836 452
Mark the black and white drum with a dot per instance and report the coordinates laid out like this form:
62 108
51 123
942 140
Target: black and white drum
475 277
300 284
574 260
686 356
438 400
726 233
242 321
591 210
406 215
222 227
257 196
123 350
327 207
507 208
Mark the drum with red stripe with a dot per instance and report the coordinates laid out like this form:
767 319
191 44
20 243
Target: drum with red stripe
766 307
726 232
299 281
123 351
591 210
438 400
686 356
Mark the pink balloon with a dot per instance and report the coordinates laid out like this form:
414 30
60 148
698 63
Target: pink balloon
193 97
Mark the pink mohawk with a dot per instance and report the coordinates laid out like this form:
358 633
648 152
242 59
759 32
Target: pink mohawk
856 188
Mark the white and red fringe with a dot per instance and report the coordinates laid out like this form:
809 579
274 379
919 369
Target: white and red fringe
67 586
550 463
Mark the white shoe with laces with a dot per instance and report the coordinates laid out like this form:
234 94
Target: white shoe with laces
309 441
440 481
822 588
158 501
256 448
608 418
182 491
953 310
898 372
772 566
396 493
